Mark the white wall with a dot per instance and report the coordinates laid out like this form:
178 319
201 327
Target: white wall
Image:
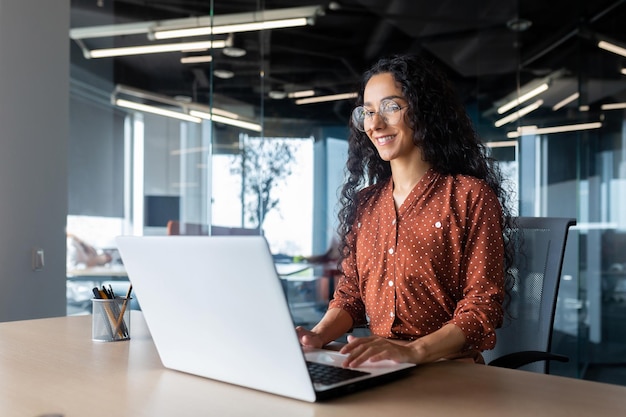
34 72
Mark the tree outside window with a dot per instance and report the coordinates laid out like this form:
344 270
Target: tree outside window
264 164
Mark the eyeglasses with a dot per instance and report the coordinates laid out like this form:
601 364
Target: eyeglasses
388 110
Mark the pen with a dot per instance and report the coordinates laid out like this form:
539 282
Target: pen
107 323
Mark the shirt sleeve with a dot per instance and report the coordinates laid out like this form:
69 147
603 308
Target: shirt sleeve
480 312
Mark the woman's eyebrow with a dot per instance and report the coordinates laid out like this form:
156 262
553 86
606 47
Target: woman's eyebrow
392 97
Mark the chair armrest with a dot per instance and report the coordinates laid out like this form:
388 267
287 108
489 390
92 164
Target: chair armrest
518 359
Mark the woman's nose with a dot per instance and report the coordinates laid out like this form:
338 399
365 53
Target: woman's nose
377 121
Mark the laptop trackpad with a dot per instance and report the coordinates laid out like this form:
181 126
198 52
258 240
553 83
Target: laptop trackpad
330 357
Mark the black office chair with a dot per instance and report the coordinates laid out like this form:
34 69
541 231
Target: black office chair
524 340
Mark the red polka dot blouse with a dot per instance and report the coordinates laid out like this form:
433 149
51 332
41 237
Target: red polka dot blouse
438 259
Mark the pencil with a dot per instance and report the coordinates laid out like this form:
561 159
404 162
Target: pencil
120 319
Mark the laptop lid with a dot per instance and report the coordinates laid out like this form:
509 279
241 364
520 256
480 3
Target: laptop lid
216 308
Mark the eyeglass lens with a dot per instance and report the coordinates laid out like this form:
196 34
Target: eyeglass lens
388 110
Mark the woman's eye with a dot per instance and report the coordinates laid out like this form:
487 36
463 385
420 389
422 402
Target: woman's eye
390 107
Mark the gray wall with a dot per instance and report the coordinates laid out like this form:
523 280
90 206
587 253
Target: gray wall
34 72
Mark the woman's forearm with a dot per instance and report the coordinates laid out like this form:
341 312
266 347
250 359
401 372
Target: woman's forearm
446 341
335 323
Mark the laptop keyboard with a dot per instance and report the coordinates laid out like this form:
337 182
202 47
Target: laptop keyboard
329 374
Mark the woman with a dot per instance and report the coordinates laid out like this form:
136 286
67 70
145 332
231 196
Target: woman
422 254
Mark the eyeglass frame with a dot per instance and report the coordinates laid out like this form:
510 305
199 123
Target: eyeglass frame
383 115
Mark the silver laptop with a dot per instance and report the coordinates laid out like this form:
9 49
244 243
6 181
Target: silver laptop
216 308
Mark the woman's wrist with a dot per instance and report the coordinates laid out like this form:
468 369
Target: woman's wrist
418 351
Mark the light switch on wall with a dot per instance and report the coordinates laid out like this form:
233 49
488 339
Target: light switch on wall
38 259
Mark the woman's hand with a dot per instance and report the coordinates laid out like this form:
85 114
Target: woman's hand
335 323
449 340
374 349
308 338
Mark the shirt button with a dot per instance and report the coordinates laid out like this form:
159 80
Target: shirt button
391 314
394 221
390 283
391 251
359 224
438 225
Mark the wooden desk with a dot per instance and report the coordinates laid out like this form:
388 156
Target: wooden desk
51 366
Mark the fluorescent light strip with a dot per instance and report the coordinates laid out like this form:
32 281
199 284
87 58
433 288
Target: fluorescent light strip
196 59
300 94
623 71
501 144
566 101
613 106
156 110
238 27
607 46
521 112
224 113
533 130
153 49
524 97
102 31
322 99
134 28
226 120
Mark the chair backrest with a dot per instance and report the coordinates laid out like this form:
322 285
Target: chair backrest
539 244
174 227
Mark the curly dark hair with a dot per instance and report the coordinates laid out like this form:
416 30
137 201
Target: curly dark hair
442 130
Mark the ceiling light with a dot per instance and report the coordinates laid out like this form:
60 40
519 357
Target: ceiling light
501 144
623 71
524 97
613 106
235 47
223 74
226 120
234 52
566 101
198 59
156 110
519 24
534 130
224 113
153 49
584 107
607 46
190 110
521 112
300 94
321 99
277 94
233 28
148 27
227 23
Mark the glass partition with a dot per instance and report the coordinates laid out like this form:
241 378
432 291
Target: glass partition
278 172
